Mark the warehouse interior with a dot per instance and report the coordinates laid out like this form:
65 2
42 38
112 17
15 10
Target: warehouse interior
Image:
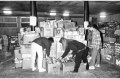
23 21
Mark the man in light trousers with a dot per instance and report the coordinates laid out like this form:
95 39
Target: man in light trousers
37 47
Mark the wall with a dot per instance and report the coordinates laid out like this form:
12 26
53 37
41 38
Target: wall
9 25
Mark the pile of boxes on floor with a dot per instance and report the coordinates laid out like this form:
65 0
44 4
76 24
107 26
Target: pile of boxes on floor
23 53
111 50
55 66
111 53
55 29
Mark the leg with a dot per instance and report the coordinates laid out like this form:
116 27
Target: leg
98 59
78 59
84 57
40 58
33 56
94 55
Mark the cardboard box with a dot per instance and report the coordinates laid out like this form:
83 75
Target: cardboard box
68 66
17 54
48 32
117 61
26 63
18 65
54 68
24 55
110 59
18 62
28 38
25 50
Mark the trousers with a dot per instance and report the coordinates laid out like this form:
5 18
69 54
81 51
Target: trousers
82 55
95 54
37 49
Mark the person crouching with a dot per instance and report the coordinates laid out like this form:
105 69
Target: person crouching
79 49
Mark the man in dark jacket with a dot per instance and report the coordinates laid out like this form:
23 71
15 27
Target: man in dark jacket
38 45
80 51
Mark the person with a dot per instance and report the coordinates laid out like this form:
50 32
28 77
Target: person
38 45
95 46
79 50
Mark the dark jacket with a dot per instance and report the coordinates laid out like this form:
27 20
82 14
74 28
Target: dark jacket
45 43
73 45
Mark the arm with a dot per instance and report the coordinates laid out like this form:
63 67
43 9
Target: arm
66 52
48 50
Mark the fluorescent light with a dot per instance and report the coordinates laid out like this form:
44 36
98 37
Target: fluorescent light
52 13
7 12
103 14
66 14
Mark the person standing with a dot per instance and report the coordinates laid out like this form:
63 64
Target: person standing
38 46
95 46
79 50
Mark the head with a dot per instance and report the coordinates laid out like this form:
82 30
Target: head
92 27
61 40
64 42
51 39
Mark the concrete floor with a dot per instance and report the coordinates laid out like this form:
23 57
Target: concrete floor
106 70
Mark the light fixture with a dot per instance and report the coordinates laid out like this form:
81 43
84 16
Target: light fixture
102 14
66 14
52 13
7 11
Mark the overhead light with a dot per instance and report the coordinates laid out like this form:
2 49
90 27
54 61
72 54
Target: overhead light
7 11
66 14
102 14
52 13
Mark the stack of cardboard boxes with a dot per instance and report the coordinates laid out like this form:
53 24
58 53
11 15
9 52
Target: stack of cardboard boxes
24 51
58 29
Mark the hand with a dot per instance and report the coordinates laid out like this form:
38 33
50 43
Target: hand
60 58
48 58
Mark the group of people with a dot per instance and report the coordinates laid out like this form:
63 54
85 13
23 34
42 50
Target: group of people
79 50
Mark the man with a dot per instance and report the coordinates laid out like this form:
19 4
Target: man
79 50
38 45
